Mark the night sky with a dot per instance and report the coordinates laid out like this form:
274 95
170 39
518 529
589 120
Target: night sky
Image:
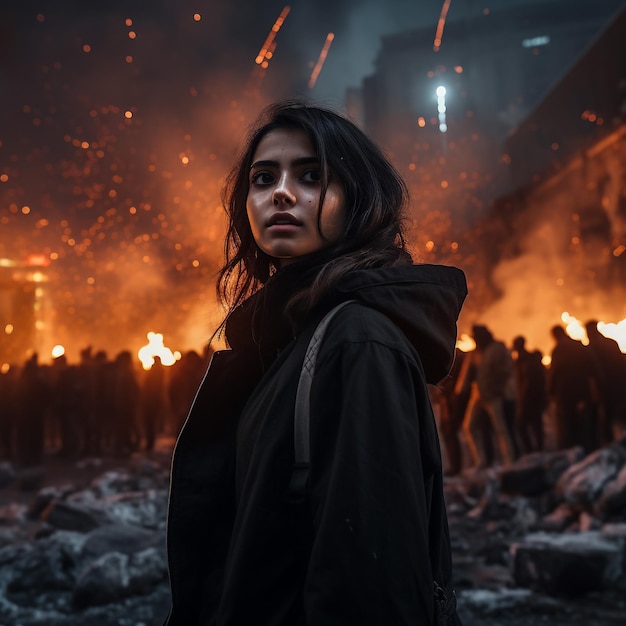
120 120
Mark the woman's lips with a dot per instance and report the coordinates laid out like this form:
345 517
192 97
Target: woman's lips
283 220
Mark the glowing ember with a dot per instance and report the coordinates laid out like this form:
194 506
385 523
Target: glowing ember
265 53
320 61
155 347
441 24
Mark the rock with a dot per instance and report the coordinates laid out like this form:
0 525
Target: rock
30 478
147 509
13 514
122 539
7 474
43 565
561 518
47 495
116 576
490 602
584 482
570 563
613 498
536 473
72 516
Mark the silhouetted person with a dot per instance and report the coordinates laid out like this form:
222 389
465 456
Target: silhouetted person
530 378
126 404
185 379
491 387
104 401
609 367
9 411
570 381
68 405
33 395
152 409
451 415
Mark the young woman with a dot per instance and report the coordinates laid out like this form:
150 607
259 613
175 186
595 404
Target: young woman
315 215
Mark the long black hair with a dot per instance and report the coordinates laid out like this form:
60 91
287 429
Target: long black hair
375 197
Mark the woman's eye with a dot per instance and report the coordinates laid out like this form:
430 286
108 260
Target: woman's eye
312 176
261 178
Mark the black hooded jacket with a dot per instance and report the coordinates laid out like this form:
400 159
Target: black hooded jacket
363 547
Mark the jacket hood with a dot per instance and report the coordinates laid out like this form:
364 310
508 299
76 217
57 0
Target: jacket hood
424 301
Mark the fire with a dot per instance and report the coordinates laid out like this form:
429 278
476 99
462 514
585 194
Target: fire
465 343
616 331
57 351
155 347
574 328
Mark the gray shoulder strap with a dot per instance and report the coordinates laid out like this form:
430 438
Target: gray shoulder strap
302 406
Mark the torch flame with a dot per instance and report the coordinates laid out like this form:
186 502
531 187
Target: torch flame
617 332
155 347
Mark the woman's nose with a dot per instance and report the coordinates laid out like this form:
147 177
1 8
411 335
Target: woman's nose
283 193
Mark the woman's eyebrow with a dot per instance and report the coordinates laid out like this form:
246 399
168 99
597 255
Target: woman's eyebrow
295 162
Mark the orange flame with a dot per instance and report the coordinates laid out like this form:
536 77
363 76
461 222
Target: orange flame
465 343
441 24
155 347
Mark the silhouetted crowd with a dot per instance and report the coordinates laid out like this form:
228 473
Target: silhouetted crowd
497 403
500 403
95 407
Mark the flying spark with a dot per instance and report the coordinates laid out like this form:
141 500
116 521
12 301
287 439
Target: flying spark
320 61
441 24
268 47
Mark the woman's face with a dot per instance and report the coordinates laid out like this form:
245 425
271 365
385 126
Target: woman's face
284 194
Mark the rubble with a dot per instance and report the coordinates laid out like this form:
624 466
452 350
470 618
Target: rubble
542 539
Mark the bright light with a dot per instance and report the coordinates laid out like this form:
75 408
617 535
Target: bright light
155 347
57 351
441 108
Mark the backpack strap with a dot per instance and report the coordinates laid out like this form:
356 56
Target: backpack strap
301 425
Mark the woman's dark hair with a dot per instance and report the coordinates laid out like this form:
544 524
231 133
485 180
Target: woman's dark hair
375 199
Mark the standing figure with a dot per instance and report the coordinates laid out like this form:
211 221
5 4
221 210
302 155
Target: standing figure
532 397
315 219
571 389
609 370
492 388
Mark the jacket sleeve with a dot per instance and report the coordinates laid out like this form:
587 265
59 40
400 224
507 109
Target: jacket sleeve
374 450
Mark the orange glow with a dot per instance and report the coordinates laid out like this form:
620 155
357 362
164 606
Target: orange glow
320 61
617 332
465 343
4 178
57 351
132 34
574 328
261 58
86 48
197 17
129 22
421 122
440 25
155 347
128 114
8 329
25 210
